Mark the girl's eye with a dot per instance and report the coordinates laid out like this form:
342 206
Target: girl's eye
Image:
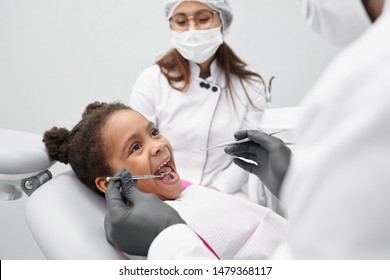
135 148
155 132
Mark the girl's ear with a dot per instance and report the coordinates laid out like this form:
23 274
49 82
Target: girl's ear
101 184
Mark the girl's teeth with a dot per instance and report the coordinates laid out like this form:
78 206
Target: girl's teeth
162 165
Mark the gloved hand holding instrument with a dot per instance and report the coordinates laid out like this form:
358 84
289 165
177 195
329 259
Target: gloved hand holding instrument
270 153
134 218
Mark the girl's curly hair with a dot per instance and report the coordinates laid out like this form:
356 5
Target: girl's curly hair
83 146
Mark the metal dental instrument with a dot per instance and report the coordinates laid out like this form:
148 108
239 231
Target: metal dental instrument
237 141
227 144
164 172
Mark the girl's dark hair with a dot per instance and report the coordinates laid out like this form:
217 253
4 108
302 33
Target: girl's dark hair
83 147
177 71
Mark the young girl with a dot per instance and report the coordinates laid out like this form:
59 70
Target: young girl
113 136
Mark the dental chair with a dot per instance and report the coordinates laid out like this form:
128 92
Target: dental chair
67 220
64 216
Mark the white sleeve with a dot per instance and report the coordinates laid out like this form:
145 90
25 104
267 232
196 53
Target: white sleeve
179 242
143 95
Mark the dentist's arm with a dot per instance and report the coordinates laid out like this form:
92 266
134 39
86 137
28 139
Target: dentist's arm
133 226
270 153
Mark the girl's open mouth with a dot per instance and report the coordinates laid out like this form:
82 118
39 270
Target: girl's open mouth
169 177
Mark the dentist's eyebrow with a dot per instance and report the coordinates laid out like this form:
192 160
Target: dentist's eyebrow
132 137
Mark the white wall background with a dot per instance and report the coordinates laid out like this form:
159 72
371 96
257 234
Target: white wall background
57 56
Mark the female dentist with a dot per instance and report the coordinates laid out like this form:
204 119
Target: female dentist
200 93
337 185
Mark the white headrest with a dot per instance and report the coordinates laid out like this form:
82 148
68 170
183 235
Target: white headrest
67 220
22 154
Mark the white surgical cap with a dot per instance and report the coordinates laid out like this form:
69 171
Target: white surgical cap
222 6
339 21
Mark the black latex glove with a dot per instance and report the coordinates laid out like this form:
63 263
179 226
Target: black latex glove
135 219
270 153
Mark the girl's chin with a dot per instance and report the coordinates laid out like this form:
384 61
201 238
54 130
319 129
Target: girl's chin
171 185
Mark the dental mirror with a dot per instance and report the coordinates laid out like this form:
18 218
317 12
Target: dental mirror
163 171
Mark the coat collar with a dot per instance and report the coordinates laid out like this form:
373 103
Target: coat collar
214 71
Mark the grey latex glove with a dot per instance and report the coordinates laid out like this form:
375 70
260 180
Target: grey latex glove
134 218
270 153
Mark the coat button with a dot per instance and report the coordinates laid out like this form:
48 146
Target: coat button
207 86
215 89
202 84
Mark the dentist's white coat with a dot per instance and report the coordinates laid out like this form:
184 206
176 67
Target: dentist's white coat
199 118
338 187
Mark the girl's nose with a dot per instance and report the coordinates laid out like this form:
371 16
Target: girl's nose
158 147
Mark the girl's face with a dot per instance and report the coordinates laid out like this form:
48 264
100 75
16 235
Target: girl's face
134 143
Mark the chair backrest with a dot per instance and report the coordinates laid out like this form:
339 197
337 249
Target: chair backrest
67 220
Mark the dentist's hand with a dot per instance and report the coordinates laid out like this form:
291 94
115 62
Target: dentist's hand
270 153
135 219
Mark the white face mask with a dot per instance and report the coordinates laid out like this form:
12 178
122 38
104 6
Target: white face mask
339 21
197 45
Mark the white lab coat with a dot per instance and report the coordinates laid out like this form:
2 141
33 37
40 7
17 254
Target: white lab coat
199 118
337 188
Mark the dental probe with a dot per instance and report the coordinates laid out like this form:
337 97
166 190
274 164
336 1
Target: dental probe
162 174
227 144
238 141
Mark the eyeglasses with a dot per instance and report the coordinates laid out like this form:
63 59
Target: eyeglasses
203 19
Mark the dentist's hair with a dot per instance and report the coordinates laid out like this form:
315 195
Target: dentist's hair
177 71
83 147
